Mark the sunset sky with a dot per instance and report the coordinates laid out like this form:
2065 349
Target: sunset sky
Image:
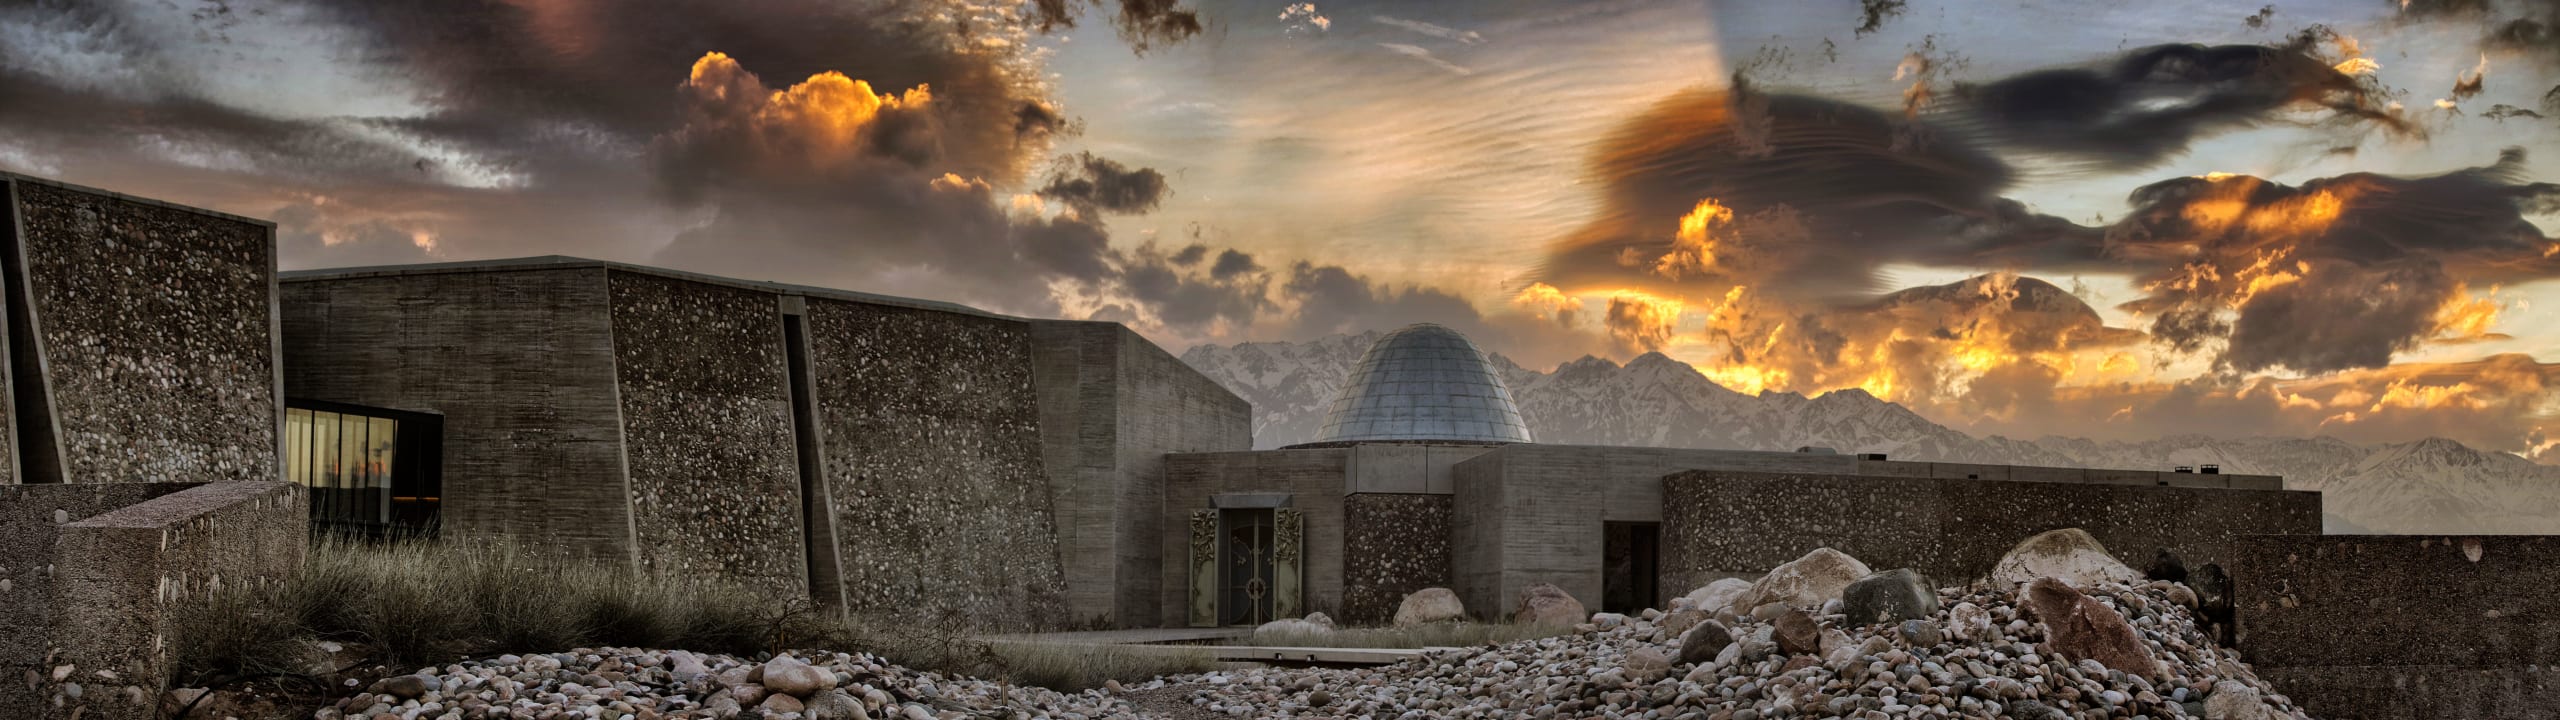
2104 219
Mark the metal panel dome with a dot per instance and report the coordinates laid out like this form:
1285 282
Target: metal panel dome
1424 382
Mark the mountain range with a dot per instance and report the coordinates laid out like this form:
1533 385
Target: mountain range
2426 486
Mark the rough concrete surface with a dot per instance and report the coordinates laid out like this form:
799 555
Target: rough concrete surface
1393 545
2403 625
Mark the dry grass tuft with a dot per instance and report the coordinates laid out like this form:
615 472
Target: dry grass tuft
1443 634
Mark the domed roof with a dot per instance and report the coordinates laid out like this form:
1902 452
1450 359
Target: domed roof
1424 382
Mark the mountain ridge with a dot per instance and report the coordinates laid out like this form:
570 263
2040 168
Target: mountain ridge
2424 486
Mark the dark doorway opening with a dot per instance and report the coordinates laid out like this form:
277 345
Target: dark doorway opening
1247 544
1632 567
373 472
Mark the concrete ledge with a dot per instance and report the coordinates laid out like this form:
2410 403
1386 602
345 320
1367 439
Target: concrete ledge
31 522
122 575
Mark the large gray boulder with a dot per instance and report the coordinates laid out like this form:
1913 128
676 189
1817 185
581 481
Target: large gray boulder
1429 605
788 675
1704 641
1889 596
1804 583
2068 554
1546 604
1718 595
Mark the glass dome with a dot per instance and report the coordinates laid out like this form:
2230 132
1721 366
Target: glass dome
1424 382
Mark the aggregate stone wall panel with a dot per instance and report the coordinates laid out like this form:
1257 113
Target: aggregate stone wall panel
933 460
157 330
2389 626
1719 523
1393 546
706 423
519 362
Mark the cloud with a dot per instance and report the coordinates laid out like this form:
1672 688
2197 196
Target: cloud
1423 54
1090 184
1144 24
1468 37
1873 13
2153 103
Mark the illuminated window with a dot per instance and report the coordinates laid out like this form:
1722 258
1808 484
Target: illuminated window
371 471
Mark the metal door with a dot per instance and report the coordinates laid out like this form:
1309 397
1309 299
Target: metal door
1247 548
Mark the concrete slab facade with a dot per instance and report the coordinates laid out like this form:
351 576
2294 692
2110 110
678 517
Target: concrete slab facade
2401 626
1723 523
146 336
1311 481
1111 406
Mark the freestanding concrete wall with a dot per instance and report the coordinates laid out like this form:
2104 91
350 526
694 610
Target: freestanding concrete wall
1111 406
154 328
2397 626
117 579
1719 523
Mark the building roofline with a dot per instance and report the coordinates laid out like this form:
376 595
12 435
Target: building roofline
10 177
565 262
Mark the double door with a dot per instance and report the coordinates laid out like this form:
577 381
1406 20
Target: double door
1247 565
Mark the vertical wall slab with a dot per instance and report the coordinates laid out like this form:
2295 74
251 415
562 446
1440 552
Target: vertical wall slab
707 431
1112 405
154 330
521 364
933 453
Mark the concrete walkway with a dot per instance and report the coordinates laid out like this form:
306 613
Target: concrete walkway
1211 640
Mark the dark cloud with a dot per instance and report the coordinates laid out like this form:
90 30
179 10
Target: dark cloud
2154 103
1190 303
1091 183
1143 23
2337 273
1232 263
1816 195
1873 13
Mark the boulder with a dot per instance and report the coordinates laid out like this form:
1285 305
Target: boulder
1320 619
787 675
1807 582
835 705
2234 701
685 665
2069 554
405 687
1888 596
1797 633
1718 595
1290 626
2166 566
1679 621
2078 627
779 703
1429 605
1703 642
1546 604
1646 665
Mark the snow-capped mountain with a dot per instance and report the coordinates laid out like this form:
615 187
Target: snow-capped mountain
2426 486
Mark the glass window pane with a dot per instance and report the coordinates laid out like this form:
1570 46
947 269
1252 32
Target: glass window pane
297 446
360 495
324 466
379 441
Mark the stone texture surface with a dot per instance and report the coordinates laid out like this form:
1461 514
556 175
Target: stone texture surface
1393 545
2069 554
933 458
122 573
1313 480
1112 405
2080 627
157 328
1889 596
31 520
1720 522
2397 625
1546 604
519 362
707 432
1429 605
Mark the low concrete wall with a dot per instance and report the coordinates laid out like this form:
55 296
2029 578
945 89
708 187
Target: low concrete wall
2399 626
1392 545
1718 523
120 576
31 522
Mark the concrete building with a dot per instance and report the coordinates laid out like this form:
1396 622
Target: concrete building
881 454
1366 515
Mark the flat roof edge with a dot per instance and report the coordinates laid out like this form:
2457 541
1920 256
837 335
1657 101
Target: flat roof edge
6 176
565 262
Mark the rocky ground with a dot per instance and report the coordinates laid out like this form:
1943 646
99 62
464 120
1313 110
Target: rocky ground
2062 633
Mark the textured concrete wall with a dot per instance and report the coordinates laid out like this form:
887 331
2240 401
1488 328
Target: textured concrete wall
933 458
1533 514
1112 405
2397 626
31 520
706 427
157 328
520 363
1313 479
1479 516
1719 523
1392 545
122 574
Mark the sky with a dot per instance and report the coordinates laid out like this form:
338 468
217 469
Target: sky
2099 219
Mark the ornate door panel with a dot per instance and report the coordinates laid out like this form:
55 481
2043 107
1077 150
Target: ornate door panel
1248 550
1288 573
1204 568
